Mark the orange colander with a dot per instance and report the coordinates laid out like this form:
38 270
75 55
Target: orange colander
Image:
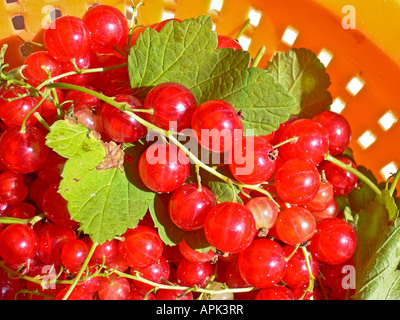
357 41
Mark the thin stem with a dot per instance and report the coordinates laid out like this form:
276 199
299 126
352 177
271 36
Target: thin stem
293 139
258 57
23 126
242 30
12 220
311 277
80 273
394 183
354 171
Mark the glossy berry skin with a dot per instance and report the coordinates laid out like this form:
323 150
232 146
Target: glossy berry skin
262 264
343 181
114 288
104 252
55 207
108 28
51 239
15 111
9 286
34 64
13 189
195 256
275 293
330 212
323 198
230 227
297 181
188 206
23 152
76 294
156 272
217 126
228 42
67 38
190 273
252 161
164 168
338 128
47 108
119 126
50 172
334 242
296 274
23 210
141 247
86 62
18 243
73 254
264 211
81 100
312 142
295 225
173 106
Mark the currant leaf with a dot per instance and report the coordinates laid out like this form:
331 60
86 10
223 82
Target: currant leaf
104 197
303 74
186 53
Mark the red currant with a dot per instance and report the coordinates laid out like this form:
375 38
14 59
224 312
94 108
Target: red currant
189 206
73 254
275 293
13 188
190 273
230 227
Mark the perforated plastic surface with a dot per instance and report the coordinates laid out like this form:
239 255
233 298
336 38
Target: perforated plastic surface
357 42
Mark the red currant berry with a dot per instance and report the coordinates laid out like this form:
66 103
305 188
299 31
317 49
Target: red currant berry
51 239
189 206
73 254
323 198
295 225
141 247
23 152
312 142
343 181
275 293
297 273
104 252
228 42
119 126
230 227
330 212
67 38
18 243
108 27
86 62
156 272
55 207
169 294
13 188
190 273
38 66
338 128
164 168
76 294
264 211
217 126
23 210
262 264
252 161
173 106
297 181
195 256
334 242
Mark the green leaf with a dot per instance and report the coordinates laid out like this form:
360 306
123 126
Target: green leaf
69 137
303 74
375 248
102 190
186 53
382 277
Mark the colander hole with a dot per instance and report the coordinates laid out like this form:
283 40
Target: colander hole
11 1
338 105
168 15
366 139
18 22
216 5
290 35
255 17
387 120
129 13
245 42
355 85
325 57
389 170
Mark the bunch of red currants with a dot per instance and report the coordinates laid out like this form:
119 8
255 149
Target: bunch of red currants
284 240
